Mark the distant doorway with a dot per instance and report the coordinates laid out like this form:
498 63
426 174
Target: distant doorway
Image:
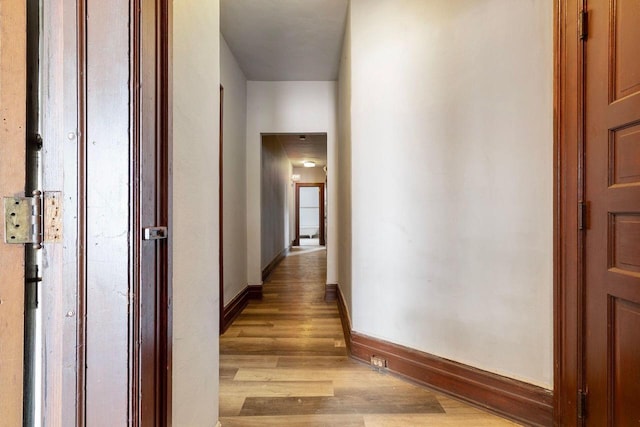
310 220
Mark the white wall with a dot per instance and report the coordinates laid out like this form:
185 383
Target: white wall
452 145
288 107
234 180
344 169
310 175
275 195
196 80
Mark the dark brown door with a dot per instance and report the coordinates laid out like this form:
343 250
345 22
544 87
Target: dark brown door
612 189
152 322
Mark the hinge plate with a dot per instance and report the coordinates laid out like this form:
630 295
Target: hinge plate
582 215
52 217
582 404
583 24
33 220
20 222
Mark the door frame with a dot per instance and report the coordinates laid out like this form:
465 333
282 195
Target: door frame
152 383
221 323
320 185
150 369
568 252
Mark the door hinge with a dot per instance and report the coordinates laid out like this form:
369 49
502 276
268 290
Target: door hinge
583 25
582 215
582 404
33 220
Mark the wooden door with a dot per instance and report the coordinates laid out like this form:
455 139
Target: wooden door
127 224
152 320
12 182
612 191
106 292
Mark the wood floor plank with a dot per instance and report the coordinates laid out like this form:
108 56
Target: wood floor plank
362 403
321 362
228 372
286 332
248 361
312 420
230 405
284 363
279 346
277 388
434 420
455 407
352 374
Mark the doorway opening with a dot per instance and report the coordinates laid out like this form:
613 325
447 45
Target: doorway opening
310 214
293 194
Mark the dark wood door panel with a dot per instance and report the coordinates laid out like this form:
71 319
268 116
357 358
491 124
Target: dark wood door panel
624 155
612 177
624 33
624 246
625 362
151 204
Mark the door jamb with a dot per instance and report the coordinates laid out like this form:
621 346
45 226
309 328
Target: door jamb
162 109
320 185
568 190
222 326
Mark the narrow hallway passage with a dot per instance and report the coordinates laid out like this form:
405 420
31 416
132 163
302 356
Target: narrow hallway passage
283 362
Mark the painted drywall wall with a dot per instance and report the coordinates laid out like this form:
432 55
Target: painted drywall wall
452 149
275 200
344 168
234 163
288 107
310 175
196 82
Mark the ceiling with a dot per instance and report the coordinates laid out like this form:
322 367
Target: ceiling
279 40
313 148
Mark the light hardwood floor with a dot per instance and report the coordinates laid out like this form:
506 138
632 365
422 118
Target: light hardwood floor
283 362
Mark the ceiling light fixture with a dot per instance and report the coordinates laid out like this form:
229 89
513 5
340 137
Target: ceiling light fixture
309 164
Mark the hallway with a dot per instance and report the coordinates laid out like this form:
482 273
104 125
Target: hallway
283 362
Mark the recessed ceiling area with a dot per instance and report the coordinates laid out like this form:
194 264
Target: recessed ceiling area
285 40
313 148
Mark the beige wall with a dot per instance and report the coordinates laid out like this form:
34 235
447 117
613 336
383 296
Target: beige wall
196 80
275 196
235 174
310 175
452 166
288 107
344 169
